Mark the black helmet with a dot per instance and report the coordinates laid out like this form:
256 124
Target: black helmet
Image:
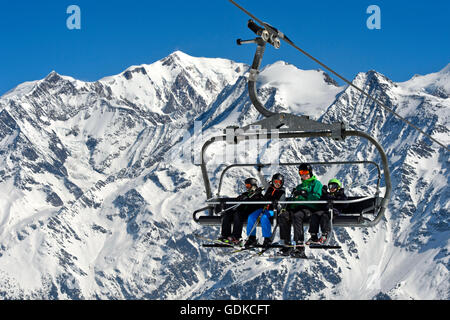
306 167
251 181
278 176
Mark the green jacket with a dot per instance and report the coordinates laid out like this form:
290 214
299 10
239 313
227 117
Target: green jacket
313 188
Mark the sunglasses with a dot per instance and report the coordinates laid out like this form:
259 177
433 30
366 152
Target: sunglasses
277 182
333 186
303 172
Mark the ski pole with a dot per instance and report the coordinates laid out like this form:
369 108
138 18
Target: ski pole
237 205
272 237
253 228
256 223
331 212
233 207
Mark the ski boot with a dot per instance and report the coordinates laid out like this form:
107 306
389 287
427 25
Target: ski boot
235 242
299 251
313 239
267 242
223 239
323 239
251 242
285 251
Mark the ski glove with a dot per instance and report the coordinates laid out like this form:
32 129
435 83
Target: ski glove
303 193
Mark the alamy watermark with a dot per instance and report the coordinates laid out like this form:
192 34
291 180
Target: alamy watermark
374 20
230 145
74 20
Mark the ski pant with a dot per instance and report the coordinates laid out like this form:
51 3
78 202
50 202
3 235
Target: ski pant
321 219
295 218
266 226
236 218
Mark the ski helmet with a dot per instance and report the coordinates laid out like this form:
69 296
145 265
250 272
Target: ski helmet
278 177
306 167
334 183
251 181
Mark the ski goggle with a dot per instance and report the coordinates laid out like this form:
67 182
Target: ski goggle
333 186
303 172
248 185
279 182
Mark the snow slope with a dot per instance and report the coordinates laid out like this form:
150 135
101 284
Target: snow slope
99 185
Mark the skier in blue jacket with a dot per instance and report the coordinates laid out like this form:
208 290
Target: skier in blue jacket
274 192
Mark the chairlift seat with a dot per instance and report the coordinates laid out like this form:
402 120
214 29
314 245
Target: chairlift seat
351 213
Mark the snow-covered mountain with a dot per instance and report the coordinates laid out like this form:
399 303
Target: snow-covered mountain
99 185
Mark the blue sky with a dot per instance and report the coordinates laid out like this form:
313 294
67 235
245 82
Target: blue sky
414 36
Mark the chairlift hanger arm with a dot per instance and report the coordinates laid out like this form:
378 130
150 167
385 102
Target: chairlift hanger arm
274 33
277 120
260 49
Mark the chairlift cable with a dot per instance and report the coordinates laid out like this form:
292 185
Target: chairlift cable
285 38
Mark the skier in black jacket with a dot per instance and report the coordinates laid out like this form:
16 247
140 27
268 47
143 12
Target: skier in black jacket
239 215
275 192
322 217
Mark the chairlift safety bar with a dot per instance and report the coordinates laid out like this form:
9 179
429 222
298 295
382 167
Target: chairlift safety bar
290 202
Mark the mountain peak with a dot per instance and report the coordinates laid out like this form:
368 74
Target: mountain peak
26 87
175 58
371 77
369 74
179 54
52 77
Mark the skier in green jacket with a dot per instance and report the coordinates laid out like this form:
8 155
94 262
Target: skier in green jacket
322 218
309 190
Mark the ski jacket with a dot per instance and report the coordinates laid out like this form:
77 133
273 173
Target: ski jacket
308 190
273 194
252 195
338 195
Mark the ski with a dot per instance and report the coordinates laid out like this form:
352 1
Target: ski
325 247
310 246
258 246
273 245
276 256
314 246
219 244
214 243
242 249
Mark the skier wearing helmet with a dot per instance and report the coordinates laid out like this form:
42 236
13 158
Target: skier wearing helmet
321 218
309 190
236 217
273 193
